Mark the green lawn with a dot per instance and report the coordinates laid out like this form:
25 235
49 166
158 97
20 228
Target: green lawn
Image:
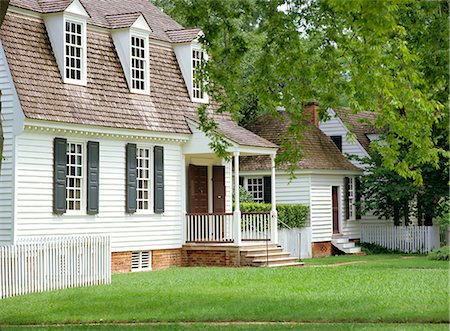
386 289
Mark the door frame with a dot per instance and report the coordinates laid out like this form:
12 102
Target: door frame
335 190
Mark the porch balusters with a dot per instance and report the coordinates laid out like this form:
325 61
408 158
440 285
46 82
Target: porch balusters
273 212
237 209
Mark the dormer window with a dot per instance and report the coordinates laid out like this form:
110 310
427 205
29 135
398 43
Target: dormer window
197 84
67 34
138 63
74 51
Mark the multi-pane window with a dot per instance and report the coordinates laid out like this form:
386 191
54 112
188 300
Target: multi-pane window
256 187
138 63
74 178
143 178
197 87
351 198
73 50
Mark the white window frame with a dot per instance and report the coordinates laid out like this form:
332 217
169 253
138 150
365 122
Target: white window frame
83 192
351 199
150 179
83 74
246 182
146 60
195 87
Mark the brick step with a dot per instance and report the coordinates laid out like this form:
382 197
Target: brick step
270 254
258 246
287 264
261 251
274 260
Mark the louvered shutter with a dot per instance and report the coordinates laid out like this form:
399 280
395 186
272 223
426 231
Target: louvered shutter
346 195
158 179
267 189
59 175
131 183
358 197
92 177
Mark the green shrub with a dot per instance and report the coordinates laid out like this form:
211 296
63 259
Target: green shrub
441 254
294 216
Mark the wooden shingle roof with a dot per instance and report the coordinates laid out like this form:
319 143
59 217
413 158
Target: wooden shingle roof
106 100
360 124
318 149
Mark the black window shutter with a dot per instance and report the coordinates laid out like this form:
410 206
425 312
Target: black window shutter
158 158
92 177
346 195
131 173
267 189
59 175
358 197
337 141
241 181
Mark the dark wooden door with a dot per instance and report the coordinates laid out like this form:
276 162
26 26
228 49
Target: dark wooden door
198 189
335 207
218 189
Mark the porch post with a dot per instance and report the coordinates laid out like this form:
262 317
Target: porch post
237 208
273 212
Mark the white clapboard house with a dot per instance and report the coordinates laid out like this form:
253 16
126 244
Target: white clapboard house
99 101
353 134
322 182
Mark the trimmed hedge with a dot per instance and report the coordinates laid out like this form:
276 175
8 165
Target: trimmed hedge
294 216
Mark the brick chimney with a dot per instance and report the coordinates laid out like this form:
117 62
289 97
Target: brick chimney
312 113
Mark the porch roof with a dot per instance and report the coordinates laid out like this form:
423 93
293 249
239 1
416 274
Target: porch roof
242 140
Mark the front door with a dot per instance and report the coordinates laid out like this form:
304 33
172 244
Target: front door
198 189
218 189
335 207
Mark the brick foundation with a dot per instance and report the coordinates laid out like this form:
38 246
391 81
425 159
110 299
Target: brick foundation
210 256
161 259
166 258
120 262
322 249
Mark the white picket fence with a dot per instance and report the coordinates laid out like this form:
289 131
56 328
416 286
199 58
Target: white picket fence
53 263
408 239
296 241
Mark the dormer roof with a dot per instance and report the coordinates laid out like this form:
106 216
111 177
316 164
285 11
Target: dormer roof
126 20
101 11
183 35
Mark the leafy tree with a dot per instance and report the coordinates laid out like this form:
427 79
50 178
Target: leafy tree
390 57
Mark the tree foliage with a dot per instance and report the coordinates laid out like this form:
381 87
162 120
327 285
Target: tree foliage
390 57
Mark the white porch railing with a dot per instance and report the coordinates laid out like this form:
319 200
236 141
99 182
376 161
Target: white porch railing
409 239
207 227
51 263
255 226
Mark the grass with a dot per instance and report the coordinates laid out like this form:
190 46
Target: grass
240 327
386 289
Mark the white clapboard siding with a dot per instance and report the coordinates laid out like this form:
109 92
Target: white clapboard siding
53 263
292 190
335 127
409 239
12 119
139 231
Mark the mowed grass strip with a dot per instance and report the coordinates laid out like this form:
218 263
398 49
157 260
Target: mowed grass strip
238 327
381 290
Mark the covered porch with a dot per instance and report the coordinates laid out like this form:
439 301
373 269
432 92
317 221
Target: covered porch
213 215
